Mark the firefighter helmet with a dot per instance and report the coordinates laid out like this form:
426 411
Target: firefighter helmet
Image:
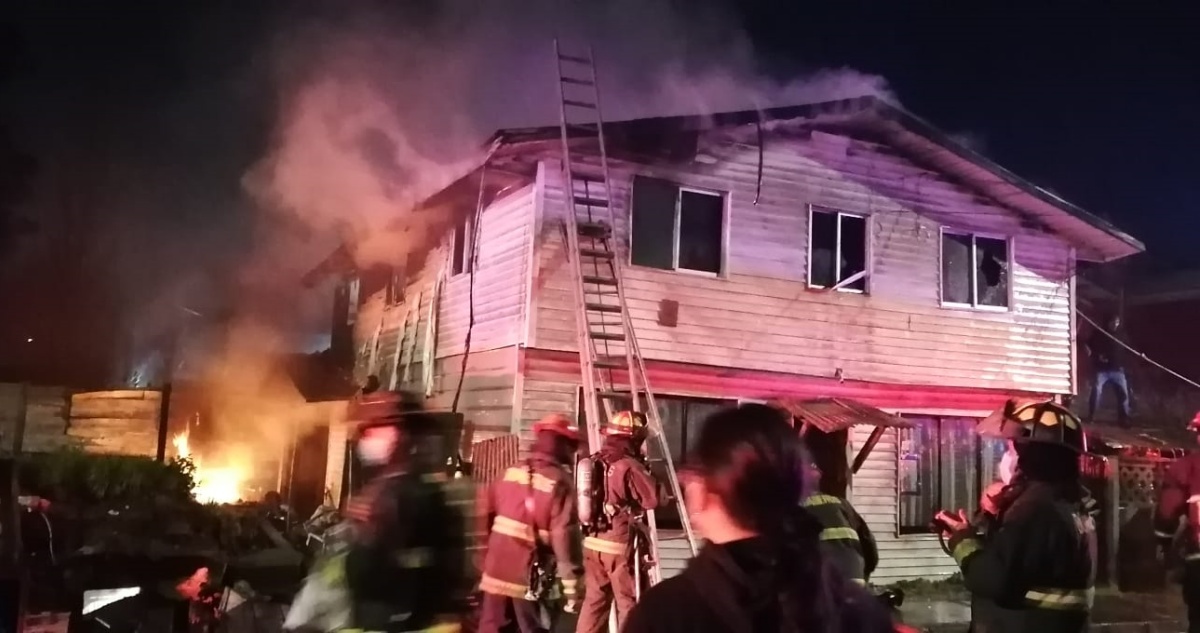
559 424
389 407
1046 422
627 423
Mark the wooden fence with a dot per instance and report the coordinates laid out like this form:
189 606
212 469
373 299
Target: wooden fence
35 419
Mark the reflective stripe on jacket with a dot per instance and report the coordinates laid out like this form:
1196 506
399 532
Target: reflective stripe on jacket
845 537
513 533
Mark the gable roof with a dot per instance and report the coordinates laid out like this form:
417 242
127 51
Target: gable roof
1094 238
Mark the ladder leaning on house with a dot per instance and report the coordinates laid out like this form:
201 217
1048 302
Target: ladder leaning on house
608 349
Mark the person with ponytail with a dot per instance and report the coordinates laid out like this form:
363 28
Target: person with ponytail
763 569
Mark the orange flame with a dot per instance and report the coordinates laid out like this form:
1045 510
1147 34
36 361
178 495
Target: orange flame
213 485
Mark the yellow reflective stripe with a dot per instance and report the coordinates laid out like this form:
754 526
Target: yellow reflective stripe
839 534
442 628
964 549
520 476
603 546
517 529
497 587
569 585
333 570
821 500
859 581
1161 534
1062 599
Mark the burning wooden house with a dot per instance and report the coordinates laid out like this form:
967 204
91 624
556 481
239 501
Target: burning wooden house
844 254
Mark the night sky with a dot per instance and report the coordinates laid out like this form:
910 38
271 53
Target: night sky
169 101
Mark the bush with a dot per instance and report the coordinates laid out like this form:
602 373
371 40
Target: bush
73 476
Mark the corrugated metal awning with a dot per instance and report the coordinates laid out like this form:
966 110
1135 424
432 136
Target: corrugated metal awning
831 415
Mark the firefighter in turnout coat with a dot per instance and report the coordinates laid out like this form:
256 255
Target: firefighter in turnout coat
404 563
1036 570
1179 497
845 537
625 491
533 532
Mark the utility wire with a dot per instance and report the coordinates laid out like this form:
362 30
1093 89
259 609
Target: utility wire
1139 354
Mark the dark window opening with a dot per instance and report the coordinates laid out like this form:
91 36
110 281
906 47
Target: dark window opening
462 260
938 468
674 228
837 250
975 270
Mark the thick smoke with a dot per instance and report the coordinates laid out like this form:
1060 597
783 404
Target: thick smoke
385 106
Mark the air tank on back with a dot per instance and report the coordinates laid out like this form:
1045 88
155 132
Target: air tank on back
584 480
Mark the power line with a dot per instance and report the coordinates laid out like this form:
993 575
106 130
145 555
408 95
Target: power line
1139 354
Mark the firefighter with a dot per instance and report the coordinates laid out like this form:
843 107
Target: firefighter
529 516
845 537
623 492
403 564
1179 496
1035 570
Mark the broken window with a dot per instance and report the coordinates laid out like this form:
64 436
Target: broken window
837 250
676 228
939 464
462 247
974 270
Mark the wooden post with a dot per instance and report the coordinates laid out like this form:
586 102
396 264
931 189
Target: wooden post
164 412
22 414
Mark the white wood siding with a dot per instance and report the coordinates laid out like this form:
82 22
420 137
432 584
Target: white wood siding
761 315
873 494
499 295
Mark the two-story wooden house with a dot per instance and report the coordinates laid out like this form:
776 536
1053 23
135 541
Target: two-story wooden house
844 249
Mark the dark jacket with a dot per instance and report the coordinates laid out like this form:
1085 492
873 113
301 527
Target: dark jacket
723 591
845 537
1180 483
1036 571
630 492
406 556
510 550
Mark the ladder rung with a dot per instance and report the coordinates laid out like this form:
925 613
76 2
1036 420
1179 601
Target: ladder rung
603 307
600 281
607 336
586 177
592 229
574 58
597 253
614 395
577 82
590 202
579 104
583 127
610 362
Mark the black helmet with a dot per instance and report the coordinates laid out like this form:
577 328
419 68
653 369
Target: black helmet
388 407
1046 422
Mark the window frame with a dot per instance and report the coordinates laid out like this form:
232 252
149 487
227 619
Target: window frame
974 304
676 236
923 531
467 264
837 259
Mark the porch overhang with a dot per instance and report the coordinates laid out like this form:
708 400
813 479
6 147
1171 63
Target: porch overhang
833 415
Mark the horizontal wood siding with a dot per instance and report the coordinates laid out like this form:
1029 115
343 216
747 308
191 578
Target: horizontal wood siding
118 422
498 298
45 411
487 391
761 315
873 494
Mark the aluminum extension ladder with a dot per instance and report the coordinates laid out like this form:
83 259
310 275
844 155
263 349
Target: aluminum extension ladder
613 369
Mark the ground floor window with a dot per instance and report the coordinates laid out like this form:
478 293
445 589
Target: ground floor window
942 463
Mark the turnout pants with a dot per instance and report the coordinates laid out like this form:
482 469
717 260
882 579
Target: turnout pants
1191 594
608 578
499 614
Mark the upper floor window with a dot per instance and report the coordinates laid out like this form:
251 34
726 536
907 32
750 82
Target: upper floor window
974 270
676 228
462 245
837 250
